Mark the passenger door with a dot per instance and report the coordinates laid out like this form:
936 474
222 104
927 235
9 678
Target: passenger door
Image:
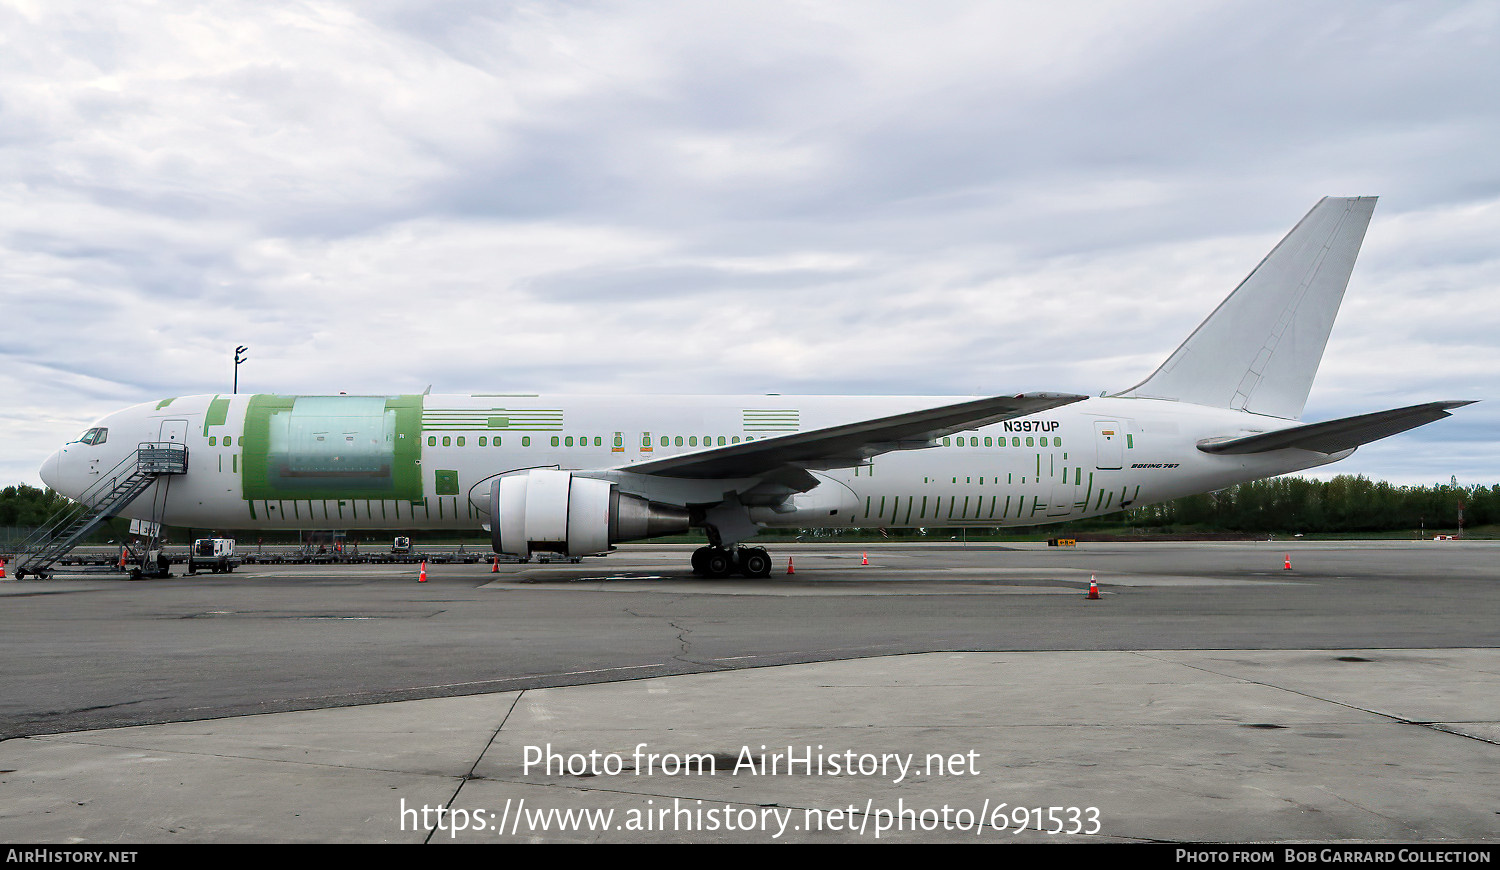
1109 440
174 430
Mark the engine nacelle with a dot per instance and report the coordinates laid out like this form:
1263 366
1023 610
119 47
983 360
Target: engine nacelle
557 511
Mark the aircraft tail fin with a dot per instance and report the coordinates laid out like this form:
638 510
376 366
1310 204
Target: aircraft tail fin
1260 349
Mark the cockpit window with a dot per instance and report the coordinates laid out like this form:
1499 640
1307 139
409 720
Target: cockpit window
94 436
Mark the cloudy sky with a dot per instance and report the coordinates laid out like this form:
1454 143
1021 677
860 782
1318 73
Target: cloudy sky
820 197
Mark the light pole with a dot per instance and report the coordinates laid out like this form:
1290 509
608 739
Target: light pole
1460 495
237 360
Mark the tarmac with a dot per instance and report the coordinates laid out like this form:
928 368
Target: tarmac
1210 696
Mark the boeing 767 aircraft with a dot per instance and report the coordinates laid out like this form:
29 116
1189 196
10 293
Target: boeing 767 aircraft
578 474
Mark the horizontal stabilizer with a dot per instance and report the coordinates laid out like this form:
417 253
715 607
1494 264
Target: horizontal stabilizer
851 443
1332 436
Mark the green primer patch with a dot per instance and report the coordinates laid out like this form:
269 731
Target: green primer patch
218 413
332 447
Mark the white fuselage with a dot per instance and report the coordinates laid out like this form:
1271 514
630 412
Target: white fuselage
409 462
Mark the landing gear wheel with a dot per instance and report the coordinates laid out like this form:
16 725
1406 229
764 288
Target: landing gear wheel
717 563
699 556
755 562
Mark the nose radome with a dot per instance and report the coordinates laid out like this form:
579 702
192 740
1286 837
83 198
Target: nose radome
49 472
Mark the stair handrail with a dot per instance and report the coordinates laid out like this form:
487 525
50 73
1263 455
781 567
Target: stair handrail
70 513
149 457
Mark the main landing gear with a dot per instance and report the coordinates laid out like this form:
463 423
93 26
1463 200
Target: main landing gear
721 562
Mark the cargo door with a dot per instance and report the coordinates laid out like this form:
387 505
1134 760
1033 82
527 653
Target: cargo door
1064 494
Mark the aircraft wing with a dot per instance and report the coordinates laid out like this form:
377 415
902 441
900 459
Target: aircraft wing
850 443
1332 436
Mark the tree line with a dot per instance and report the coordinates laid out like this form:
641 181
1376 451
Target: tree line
1346 503
28 506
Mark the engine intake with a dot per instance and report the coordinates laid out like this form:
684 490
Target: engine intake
545 510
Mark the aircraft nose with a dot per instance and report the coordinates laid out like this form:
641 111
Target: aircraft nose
51 471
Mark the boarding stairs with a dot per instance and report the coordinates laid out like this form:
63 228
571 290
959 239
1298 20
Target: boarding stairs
114 490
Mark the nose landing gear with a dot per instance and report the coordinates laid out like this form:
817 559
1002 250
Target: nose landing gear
721 562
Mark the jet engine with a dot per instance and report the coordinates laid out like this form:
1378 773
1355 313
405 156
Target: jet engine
560 512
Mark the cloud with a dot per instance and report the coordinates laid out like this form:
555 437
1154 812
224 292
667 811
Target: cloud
735 197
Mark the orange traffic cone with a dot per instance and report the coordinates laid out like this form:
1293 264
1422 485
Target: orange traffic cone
422 577
1288 565
2 569
789 565
123 551
1093 589
864 558
495 569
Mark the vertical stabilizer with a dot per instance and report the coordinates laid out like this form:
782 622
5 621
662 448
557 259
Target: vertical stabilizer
1260 349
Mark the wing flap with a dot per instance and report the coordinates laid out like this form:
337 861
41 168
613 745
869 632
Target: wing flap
851 443
1332 436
